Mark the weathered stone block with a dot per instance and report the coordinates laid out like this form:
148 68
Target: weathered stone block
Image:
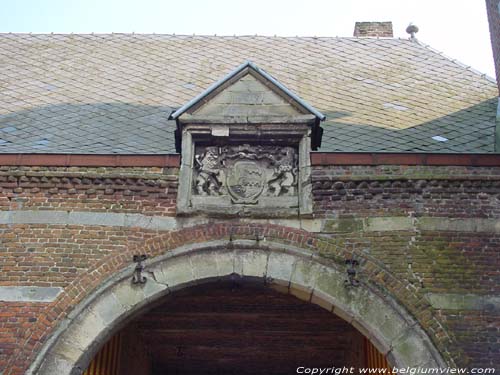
153 289
311 225
344 314
175 272
410 350
225 262
280 267
322 300
39 217
387 324
305 274
378 224
128 295
108 309
85 330
96 218
204 265
67 350
56 365
29 293
331 283
455 301
300 293
250 263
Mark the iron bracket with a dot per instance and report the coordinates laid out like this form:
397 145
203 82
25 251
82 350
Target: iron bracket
138 277
351 273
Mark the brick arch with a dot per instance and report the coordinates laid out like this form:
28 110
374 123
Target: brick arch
296 271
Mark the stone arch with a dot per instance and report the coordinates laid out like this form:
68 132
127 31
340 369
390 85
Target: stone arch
301 273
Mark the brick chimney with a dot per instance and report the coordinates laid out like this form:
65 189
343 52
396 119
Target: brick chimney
373 29
493 7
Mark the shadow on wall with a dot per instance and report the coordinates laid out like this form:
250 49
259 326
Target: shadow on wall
125 128
469 130
98 128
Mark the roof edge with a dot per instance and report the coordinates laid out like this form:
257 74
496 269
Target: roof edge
90 160
239 69
383 158
317 159
456 61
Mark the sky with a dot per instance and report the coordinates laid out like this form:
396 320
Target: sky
459 29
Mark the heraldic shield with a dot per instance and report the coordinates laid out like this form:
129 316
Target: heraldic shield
245 182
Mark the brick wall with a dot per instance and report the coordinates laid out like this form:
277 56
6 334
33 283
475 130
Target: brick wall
407 190
493 8
132 190
430 260
404 256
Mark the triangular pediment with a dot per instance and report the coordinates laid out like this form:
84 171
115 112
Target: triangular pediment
247 93
247 97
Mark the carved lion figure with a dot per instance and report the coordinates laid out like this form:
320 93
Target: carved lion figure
208 180
283 180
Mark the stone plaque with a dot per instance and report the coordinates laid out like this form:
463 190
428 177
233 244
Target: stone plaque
245 174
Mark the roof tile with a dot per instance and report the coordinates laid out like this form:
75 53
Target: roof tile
113 93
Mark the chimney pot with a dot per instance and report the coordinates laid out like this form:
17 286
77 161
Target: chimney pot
373 29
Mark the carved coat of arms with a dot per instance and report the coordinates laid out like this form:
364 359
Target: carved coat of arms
245 173
245 181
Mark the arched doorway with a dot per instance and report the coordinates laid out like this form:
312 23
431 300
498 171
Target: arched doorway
234 326
393 331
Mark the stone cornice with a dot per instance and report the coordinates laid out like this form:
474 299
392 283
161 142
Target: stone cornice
90 160
168 223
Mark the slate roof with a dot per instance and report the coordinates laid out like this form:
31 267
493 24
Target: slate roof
113 93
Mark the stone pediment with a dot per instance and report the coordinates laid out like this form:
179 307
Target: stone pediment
248 97
248 94
245 148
